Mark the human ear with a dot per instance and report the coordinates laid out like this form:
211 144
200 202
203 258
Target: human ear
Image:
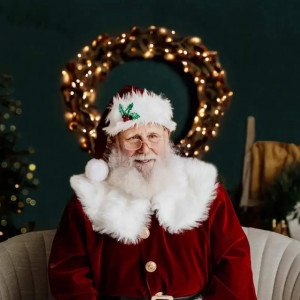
167 131
111 139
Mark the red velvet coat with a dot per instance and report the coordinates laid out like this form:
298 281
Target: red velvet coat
212 258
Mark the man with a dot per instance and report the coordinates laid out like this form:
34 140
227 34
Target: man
149 223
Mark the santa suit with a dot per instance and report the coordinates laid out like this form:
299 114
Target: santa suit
185 240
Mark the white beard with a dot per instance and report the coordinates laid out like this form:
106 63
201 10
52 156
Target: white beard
137 179
179 190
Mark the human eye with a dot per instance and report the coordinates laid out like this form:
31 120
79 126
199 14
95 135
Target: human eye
132 139
153 137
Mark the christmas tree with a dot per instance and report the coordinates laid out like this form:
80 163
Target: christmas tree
16 173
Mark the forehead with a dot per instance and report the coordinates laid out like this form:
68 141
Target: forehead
143 129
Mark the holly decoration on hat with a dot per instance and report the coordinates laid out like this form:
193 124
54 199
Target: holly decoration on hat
126 114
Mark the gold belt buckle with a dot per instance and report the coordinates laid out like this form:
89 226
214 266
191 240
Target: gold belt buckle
162 297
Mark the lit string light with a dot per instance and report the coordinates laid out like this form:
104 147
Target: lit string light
82 76
16 173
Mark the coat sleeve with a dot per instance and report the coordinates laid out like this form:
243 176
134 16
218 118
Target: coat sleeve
231 275
68 269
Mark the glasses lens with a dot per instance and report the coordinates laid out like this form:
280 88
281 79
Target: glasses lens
154 139
133 144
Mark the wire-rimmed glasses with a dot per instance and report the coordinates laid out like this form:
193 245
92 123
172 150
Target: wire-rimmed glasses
136 143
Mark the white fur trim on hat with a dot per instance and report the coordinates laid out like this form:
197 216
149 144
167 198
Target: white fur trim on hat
96 170
150 107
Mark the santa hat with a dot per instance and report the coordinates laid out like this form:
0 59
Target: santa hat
136 107
131 106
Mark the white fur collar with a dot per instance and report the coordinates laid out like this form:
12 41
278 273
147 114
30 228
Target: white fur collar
180 203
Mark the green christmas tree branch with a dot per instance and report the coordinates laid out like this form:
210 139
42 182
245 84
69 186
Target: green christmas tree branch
16 172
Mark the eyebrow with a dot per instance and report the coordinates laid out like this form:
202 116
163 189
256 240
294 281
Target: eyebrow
138 136
133 136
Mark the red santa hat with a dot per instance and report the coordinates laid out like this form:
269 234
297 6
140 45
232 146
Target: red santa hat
135 107
129 107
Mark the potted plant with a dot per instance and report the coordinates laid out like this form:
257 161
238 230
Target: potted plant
282 200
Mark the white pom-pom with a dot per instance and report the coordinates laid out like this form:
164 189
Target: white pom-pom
96 170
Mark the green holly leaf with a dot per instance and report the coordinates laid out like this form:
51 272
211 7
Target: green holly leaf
129 108
134 116
127 113
121 110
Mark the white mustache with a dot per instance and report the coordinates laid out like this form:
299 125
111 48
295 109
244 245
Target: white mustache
143 157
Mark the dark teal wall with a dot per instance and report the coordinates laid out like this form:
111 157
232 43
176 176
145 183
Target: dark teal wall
258 45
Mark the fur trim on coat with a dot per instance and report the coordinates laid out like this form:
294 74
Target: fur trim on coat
180 203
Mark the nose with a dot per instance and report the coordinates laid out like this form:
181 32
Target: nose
144 148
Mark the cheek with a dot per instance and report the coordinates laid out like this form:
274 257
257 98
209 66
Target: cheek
128 153
124 151
160 149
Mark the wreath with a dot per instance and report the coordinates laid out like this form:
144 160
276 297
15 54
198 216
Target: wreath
91 66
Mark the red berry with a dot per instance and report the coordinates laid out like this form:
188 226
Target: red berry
125 118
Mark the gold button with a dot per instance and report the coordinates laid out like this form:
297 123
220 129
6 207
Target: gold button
150 266
52 266
145 233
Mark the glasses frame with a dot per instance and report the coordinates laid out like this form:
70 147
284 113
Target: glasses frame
126 144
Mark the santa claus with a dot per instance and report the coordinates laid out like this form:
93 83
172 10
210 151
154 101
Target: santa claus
144 222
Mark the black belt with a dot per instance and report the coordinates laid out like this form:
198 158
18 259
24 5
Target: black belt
191 297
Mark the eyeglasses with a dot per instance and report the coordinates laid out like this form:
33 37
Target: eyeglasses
136 143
